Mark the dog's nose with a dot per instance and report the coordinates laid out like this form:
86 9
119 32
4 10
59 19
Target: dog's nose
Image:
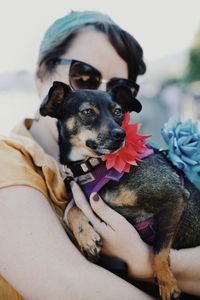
118 134
91 144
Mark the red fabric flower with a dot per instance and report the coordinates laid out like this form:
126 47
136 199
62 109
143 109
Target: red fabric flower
134 147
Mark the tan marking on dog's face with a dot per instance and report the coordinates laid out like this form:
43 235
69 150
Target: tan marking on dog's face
78 143
70 123
123 198
80 139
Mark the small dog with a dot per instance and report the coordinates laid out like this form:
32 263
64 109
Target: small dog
89 126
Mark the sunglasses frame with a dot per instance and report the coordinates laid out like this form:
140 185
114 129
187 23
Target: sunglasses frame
115 80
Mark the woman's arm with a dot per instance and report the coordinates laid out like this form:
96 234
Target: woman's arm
121 240
185 265
39 260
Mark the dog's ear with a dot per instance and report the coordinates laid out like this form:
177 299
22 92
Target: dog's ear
52 103
123 95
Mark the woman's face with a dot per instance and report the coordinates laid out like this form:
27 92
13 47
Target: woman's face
91 47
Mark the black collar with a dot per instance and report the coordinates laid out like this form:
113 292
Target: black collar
78 168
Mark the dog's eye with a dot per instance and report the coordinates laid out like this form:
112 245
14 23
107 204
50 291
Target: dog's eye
118 112
87 112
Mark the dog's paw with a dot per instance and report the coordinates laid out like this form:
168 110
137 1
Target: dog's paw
168 288
88 239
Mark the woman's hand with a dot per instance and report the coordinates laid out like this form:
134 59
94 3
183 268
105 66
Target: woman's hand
120 239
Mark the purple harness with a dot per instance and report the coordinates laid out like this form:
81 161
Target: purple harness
92 180
99 177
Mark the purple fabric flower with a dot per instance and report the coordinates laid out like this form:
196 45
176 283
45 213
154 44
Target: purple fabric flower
183 140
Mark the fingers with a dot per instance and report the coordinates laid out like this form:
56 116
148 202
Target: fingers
107 214
82 202
80 199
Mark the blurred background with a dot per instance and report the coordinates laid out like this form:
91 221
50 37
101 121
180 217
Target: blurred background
168 31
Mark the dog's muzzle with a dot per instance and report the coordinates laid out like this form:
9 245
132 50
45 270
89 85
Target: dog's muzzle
108 145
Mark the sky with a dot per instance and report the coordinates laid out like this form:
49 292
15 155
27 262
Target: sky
163 27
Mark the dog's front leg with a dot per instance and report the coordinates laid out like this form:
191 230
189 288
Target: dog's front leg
168 220
88 240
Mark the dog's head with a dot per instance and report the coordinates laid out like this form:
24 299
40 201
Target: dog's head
89 121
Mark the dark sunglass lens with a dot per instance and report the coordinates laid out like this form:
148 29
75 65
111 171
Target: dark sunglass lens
84 76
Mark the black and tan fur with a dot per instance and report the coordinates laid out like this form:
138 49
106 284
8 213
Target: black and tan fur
89 125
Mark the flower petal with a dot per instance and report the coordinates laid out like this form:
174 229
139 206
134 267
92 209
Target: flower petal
120 164
128 155
127 168
188 160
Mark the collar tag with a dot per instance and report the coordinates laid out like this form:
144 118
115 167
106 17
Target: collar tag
86 178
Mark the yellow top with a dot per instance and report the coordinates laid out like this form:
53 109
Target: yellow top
24 162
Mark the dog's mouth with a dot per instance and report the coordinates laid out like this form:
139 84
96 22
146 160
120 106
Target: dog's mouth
110 150
104 149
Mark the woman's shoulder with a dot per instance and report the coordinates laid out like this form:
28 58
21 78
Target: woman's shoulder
17 166
24 163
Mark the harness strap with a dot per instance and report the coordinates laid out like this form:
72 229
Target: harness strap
98 178
147 230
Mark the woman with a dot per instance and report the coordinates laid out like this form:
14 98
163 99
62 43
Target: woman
36 256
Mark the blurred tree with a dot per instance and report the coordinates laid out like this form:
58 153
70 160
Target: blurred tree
193 68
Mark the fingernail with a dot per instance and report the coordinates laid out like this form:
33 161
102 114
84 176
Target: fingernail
72 183
95 197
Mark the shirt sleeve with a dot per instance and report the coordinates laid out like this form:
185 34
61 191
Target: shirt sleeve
17 168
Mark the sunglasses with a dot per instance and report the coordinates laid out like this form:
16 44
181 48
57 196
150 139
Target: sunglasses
85 76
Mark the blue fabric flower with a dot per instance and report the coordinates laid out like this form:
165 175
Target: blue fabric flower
183 140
